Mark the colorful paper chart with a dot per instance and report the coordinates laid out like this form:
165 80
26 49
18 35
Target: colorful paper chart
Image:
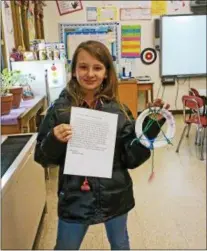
130 41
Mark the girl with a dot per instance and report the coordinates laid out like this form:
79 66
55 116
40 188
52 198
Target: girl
84 201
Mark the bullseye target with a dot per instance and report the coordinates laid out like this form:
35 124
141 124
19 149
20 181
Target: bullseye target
148 55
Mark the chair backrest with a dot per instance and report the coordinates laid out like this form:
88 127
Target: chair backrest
194 104
193 92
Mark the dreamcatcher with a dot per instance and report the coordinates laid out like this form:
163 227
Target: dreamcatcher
163 138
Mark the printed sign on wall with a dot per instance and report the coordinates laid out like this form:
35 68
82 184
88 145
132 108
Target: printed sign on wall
66 7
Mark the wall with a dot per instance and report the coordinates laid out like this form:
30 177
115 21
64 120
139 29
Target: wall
52 18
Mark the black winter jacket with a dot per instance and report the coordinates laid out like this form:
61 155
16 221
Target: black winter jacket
107 198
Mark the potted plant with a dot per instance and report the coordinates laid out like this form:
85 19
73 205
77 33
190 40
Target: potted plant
6 97
12 78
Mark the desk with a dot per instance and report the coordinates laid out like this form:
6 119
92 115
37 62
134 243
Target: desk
23 119
146 87
129 90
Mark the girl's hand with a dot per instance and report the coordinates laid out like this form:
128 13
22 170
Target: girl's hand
158 103
63 132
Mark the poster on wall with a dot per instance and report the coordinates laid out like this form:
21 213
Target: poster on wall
66 7
108 13
159 8
135 14
130 41
79 35
178 6
91 13
73 34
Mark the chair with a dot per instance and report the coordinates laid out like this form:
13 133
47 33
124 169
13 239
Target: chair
203 109
194 117
194 92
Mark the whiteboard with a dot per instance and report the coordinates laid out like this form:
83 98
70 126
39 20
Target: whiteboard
183 45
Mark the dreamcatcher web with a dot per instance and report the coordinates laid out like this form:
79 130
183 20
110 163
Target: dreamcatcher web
163 138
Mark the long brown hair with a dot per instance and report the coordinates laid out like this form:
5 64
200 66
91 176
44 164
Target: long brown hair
109 89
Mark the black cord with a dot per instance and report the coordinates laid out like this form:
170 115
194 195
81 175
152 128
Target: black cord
163 92
189 84
178 84
176 96
158 91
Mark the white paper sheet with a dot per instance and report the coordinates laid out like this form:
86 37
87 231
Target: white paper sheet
135 13
91 13
90 152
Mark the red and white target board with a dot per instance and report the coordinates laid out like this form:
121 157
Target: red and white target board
148 56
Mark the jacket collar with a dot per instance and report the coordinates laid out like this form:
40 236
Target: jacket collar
95 105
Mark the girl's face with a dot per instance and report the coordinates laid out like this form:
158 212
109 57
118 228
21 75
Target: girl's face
89 72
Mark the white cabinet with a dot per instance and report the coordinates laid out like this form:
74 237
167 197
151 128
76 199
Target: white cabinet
23 193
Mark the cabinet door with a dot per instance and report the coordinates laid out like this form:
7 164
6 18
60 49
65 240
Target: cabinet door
128 95
22 202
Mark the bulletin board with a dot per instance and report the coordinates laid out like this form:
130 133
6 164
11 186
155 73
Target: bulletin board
73 34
